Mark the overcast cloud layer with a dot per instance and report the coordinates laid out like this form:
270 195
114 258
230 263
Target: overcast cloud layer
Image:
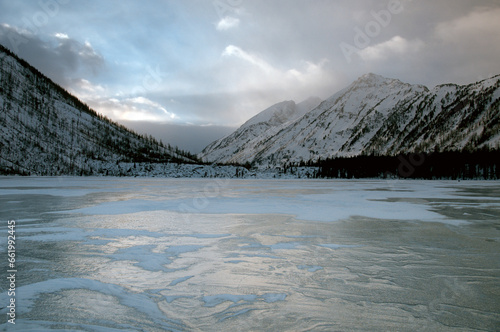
201 63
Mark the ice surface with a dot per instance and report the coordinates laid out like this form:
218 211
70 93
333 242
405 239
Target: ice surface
214 300
310 268
26 295
337 246
179 280
128 254
144 257
340 200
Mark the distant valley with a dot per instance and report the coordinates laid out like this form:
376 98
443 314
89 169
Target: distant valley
44 130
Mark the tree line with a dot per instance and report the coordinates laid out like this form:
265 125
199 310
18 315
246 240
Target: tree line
45 126
480 164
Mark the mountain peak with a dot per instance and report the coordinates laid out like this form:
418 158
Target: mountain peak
375 79
240 144
311 99
277 112
307 105
376 115
371 76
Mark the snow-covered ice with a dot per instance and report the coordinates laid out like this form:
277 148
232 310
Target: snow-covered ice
112 254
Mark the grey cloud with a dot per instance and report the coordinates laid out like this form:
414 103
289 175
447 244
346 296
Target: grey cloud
226 109
59 58
278 50
207 108
187 137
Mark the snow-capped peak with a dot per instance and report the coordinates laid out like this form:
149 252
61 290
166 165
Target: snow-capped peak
307 105
283 112
372 115
374 80
265 124
275 115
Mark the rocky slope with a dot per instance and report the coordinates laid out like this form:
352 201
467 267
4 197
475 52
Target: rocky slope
46 131
243 143
374 115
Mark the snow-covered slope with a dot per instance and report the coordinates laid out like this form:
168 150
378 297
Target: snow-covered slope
267 123
374 115
44 130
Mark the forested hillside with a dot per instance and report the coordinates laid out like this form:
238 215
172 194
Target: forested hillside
45 130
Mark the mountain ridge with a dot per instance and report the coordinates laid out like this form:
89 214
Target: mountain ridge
267 122
375 115
45 130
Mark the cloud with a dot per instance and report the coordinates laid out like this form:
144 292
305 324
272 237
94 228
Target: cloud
255 60
142 101
262 75
224 61
58 56
120 107
132 109
187 137
85 86
396 46
260 83
478 27
61 35
227 23
467 48
311 73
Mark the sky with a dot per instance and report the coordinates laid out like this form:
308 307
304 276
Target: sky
191 71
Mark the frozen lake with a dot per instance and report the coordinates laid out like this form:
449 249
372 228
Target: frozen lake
110 254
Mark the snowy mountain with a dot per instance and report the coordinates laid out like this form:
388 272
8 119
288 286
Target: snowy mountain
44 130
374 115
242 144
